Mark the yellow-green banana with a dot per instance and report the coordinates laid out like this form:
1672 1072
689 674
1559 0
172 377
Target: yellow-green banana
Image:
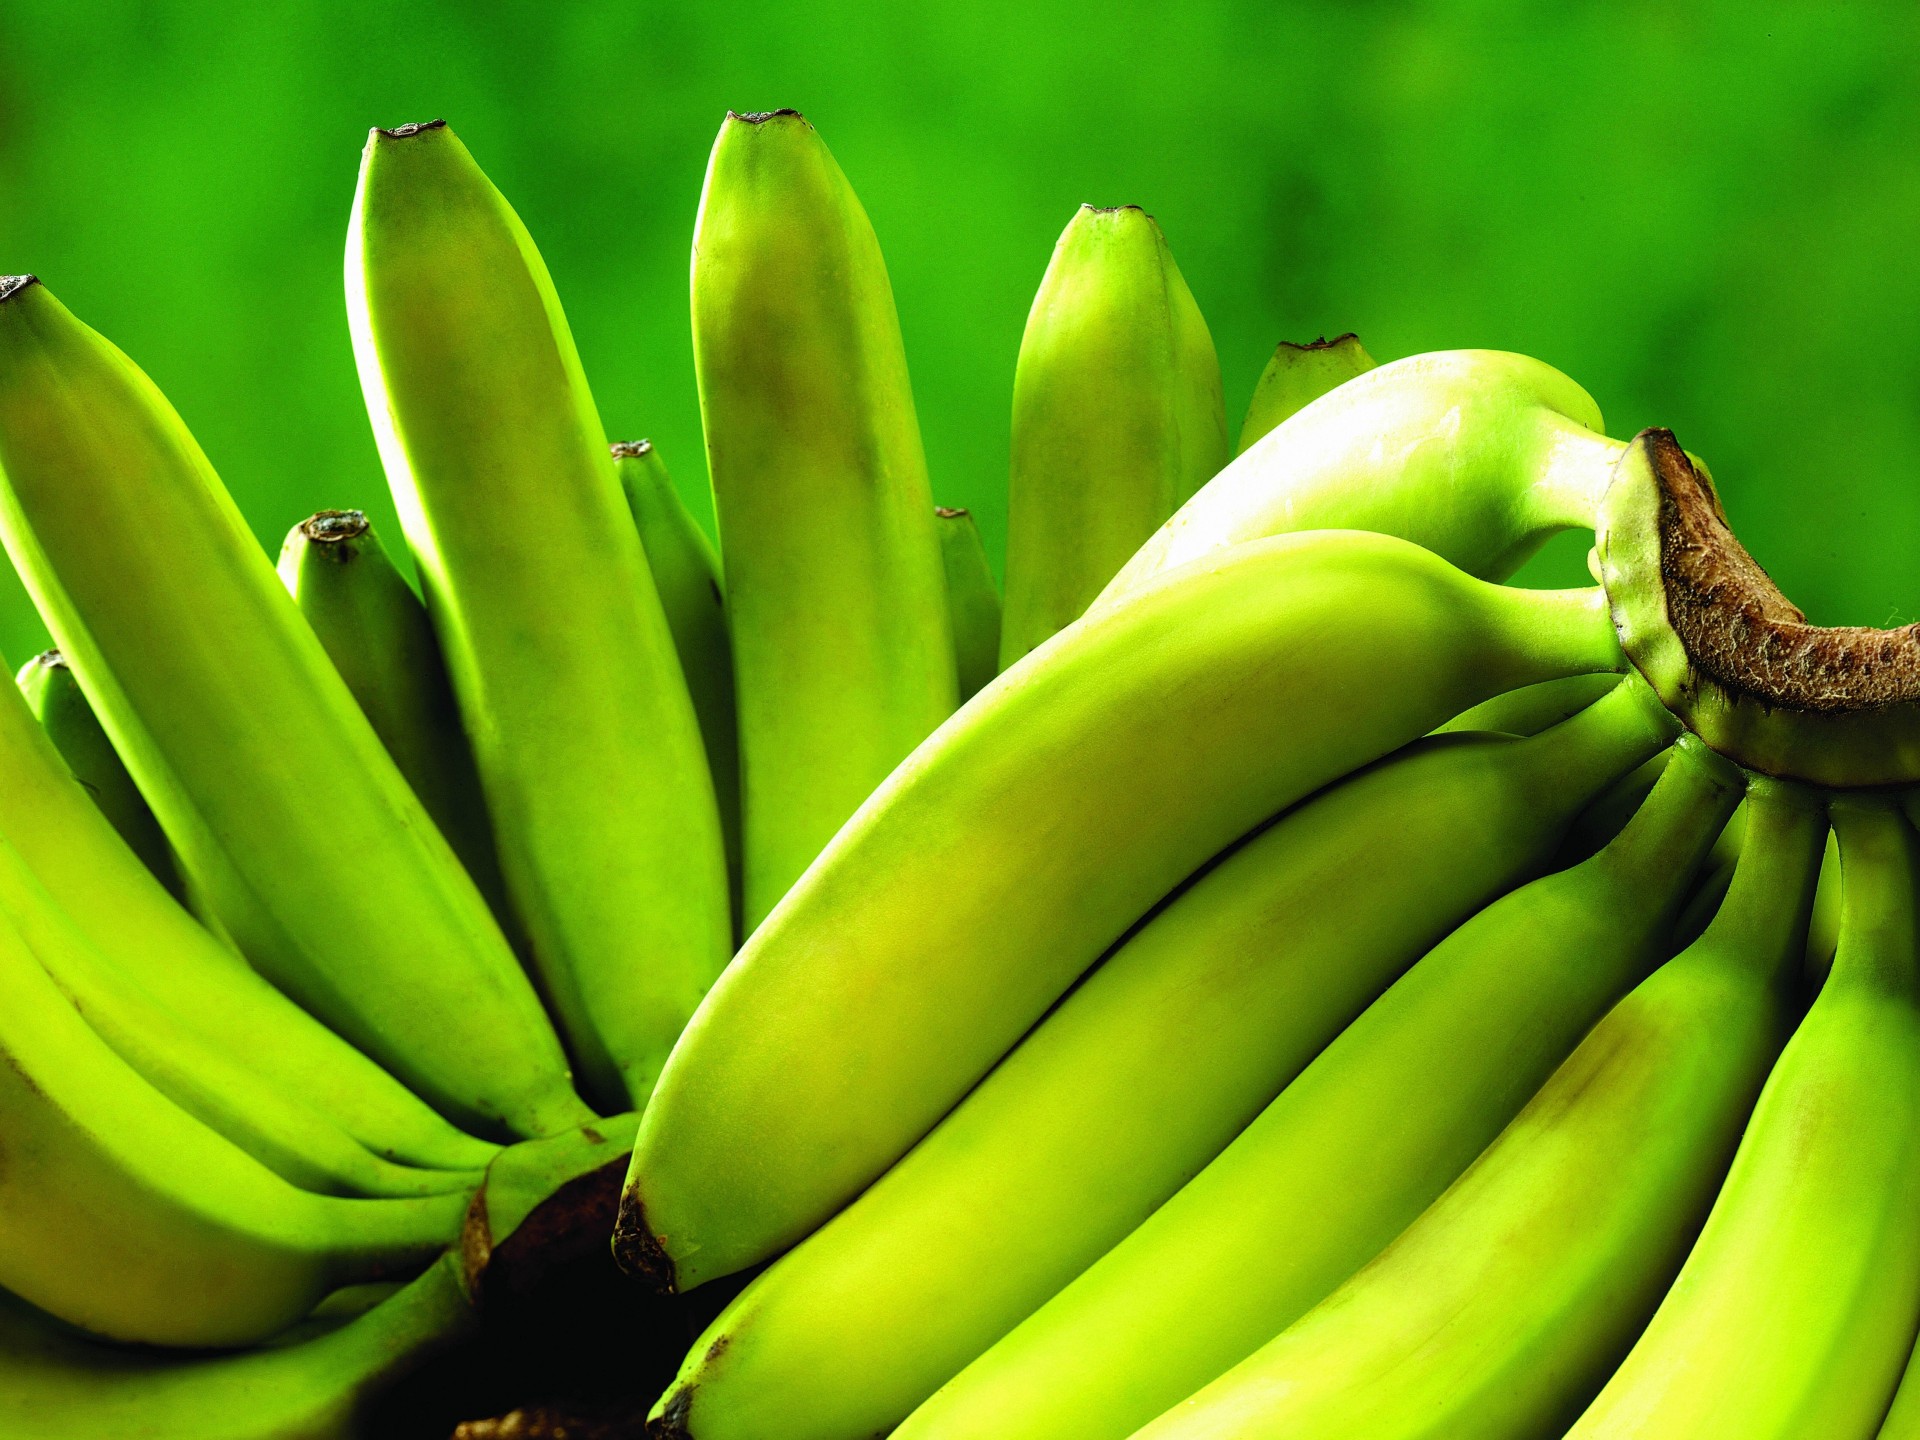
1501 1310
273 788
1797 1308
1100 1114
842 652
1026 836
1298 375
1478 455
376 632
1117 417
55 1385
1532 708
973 600
1382 1121
686 573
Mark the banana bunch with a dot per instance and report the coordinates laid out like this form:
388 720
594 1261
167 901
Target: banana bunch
1272 978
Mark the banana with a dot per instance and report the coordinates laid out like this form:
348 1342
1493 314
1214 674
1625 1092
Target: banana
1101 1113
55 699
1298 375
589 750
842 651
1026 836
1117 417
1381 1122
686 573
1532 708
123 1215
272 786
376 632
973 601
55 1385
1797 1307
1501 1310
1478 455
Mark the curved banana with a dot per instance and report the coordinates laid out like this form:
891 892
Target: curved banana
1797 1308
376 632
1382 1121
1478 455
589 750
1026 836
1117 417
55 1385
272 786
973 600
1100 1113
1298 375
1532 708
1501 1310
842 653
686 573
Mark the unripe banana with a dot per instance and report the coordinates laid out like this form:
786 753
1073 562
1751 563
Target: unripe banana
1100 1113
1117 417
1382 1121
1532 708
1298 375
272 786
1478 455
1026 836
588 747
1797 1307
1501 1310
842 652
376 632
686 573
55 699
973 600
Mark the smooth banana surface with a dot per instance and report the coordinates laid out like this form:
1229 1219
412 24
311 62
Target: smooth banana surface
1298 375
973 600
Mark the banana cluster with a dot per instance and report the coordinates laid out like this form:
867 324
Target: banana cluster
1276 979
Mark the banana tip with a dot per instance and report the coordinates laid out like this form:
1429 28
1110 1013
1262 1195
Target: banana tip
761 117
948 512
51 660
331 527
671 1422
409 130
12 285
1321 343
638 1251
630 449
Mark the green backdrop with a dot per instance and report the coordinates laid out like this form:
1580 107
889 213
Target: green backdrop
1705 213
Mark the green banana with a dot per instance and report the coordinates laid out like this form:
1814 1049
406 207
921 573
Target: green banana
686 573
1532 708
842 652
1026 836
1501 1310
1117 417
1478 455
272 786
1298 375
55 699
1798 1306
1100 1113
589 750
123 1215
1381 1122
376 632
55 1385
973 600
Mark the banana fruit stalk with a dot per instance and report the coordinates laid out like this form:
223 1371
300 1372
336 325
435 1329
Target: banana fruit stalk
586 739
1797 1307
54 697
1100 1114
1025 837
1298 375
1117 417
1370 1134
376 632
973 600
272 786
55 1385
686 574
843 654
1478 455
1503 1308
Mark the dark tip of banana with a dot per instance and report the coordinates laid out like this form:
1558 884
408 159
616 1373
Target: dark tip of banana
948 512
409 130
630 449
50 660
638 1251
1111 209
760 117
330 527
12 285
1319 342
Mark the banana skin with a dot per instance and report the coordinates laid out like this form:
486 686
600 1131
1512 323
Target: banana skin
1298 375
973 600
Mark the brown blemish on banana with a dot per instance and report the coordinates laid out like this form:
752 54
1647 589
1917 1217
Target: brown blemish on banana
630 449
408 131
671 1423
638 1251
12 285
331 527
761 117
1320 342
1741 632
948 512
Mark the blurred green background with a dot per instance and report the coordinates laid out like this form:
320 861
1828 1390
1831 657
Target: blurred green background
1705 213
